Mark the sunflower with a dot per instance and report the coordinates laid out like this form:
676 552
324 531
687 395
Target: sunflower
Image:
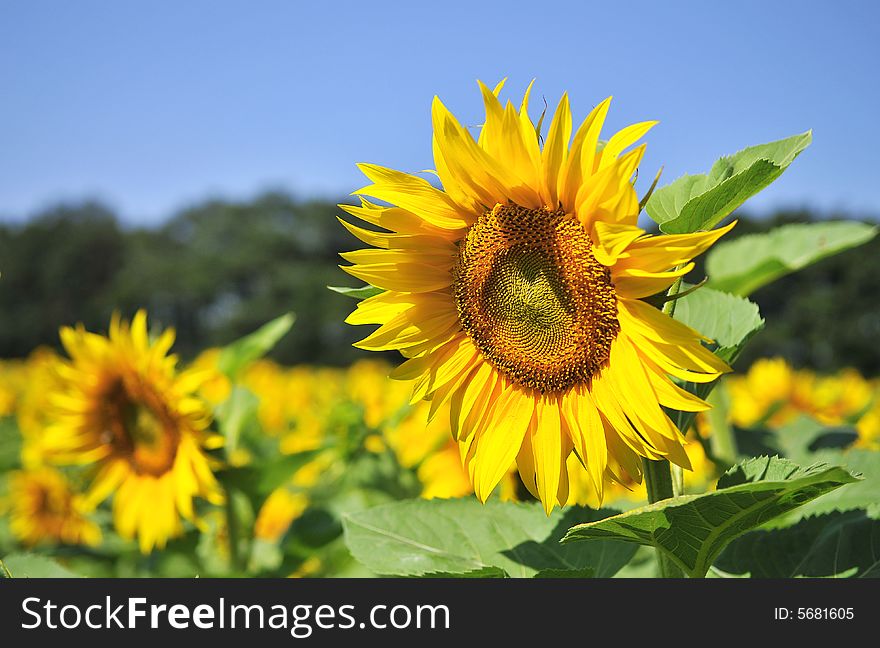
278 512
44 508
516 293
122 406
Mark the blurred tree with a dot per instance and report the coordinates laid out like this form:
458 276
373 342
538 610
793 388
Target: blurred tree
59 268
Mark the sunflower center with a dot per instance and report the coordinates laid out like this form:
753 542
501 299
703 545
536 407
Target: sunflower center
140 430
533 298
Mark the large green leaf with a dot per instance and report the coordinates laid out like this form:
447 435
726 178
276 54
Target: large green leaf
29 565
239 354
700 202
743 265
461 536
806 440
862 495
693 529
730 321
836 544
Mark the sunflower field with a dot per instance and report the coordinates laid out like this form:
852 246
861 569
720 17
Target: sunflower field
550 392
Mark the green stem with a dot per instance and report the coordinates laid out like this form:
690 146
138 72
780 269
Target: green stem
722 439
658 480
4 570
677 480
232 532
658 476
669 307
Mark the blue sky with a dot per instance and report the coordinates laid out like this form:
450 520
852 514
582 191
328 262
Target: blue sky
151 106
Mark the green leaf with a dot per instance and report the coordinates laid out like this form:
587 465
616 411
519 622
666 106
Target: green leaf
259 481
865 494
357 293
586 572
10 444
836 544
461 536
729 320
239 354
237 414
485 572
700 202
749 262
693 529
29 565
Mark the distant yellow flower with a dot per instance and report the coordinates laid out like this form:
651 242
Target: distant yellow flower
311 566
278 512
13 383
216 387
833 400
868 425
367 384
44 508
765 390
516 293
268 381
123 407
40 373
772 393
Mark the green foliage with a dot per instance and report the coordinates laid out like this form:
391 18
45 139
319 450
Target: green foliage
461 536
700 202
693 529
805 310
31 565
236 356
259 480
357 293
832 545
805 440
10 444
728 320
861 495
586 572
749 262
236 416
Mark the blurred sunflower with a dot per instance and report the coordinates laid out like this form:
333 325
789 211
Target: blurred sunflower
772 393
122 406
515 291
278 512
44 508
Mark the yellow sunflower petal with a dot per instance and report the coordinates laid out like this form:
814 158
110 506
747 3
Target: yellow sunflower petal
499 441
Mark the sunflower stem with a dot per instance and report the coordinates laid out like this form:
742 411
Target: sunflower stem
669 305
658 480
232 533
661 481
677 480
